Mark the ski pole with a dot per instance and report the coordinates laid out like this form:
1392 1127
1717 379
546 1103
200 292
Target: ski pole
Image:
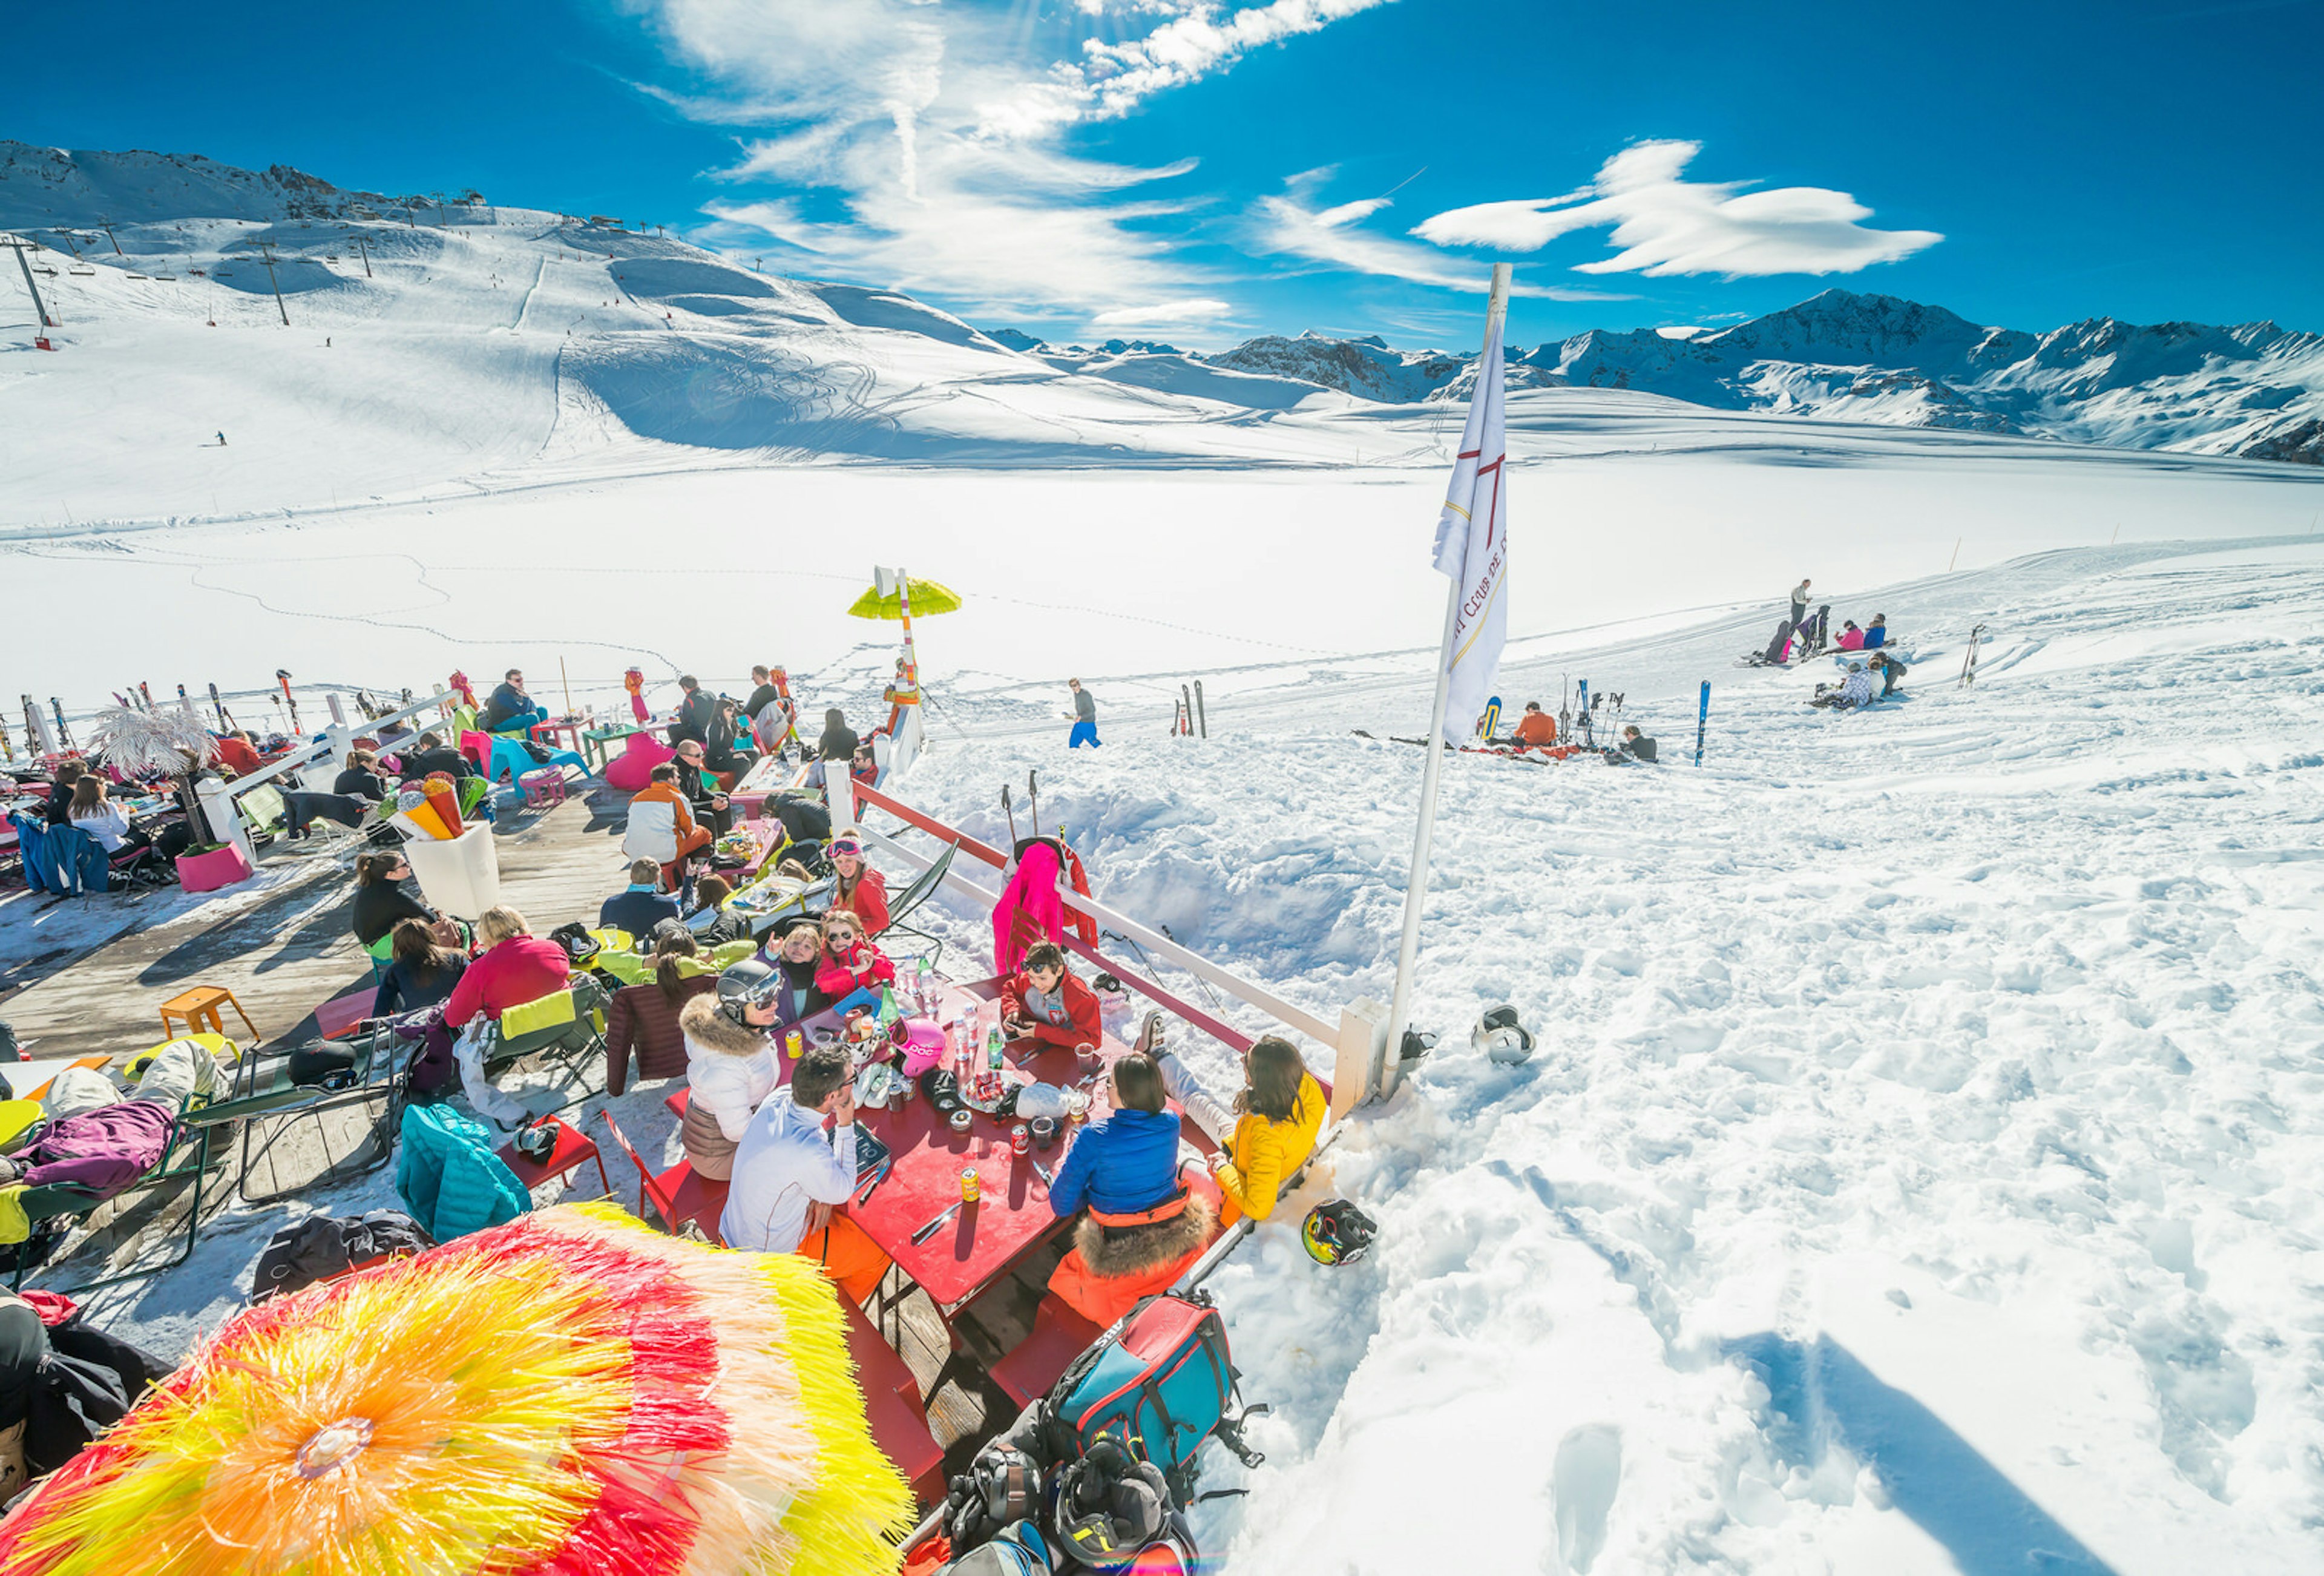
1702 722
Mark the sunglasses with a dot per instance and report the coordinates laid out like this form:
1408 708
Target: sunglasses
842 935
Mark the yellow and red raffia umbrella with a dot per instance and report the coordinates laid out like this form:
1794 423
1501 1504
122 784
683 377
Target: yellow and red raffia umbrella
571 1393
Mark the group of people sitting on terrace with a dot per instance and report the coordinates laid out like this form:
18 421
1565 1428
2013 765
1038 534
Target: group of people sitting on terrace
788 1178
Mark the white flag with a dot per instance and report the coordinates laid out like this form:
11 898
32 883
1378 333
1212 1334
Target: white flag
1472 542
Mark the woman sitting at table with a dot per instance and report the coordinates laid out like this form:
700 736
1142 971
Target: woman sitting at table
798 957
423 973
1042 1000
730 1063
516 967
644 1016
94 813
852 970
1269 1130
1143 1226
58 810
858 888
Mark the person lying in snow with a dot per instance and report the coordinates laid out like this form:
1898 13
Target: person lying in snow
1855 691
1266 1133
1043 1001
1143 1225
1635 746
1891 670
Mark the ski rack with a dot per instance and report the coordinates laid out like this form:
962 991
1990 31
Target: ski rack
1359 1041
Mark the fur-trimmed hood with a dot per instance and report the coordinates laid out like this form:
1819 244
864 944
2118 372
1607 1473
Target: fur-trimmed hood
710 1029
1142 1250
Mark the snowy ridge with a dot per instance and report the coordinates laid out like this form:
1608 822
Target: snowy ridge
2254 389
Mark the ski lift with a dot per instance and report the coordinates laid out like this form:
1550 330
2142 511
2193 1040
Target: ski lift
82 272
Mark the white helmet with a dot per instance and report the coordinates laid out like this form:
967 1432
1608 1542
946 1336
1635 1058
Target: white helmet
1500 1036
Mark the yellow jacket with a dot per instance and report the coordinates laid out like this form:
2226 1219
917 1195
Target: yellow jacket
1262 1155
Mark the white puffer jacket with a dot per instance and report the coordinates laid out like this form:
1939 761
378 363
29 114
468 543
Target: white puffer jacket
730 1068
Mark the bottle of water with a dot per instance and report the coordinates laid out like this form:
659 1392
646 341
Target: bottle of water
921 992
993 1044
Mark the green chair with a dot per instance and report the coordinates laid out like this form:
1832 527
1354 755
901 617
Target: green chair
268 1104
561 1030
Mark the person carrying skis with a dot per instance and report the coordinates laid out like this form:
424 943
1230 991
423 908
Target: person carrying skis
1084 718
1536 729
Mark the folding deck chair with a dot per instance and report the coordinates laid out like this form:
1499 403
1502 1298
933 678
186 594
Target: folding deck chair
270 1104
186 1156
561 1030
922 888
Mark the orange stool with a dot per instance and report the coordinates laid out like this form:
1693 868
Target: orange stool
197 1010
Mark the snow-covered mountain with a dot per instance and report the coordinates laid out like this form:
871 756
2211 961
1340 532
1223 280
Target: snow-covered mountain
2254 389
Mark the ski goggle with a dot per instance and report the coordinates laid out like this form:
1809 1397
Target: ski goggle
848 845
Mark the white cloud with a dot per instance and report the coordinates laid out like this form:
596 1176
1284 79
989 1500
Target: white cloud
1202 309
1288 225
1665 224
943 145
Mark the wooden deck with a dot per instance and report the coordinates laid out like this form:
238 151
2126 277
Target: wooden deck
287 954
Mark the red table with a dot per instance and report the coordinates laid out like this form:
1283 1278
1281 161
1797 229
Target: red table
1012 1216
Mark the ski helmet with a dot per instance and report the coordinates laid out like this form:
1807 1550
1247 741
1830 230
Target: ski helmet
1500 1036
1337 1232
748 983
1110 1507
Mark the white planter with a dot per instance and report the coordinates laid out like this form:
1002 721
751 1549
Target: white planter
461 877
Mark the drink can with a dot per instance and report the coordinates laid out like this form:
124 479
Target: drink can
968 1186
1021 1140
795 1043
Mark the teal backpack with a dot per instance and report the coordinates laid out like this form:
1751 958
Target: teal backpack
1159 1384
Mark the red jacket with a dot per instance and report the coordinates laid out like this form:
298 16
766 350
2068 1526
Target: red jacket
869 901
521 968
236 754
866 969
1084 1025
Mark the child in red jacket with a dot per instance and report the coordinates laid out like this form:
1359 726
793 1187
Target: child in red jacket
852 968
1045 1001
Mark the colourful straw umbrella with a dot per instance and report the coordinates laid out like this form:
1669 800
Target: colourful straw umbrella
568 1395
924 597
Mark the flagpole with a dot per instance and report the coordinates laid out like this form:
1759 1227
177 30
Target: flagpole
1415 886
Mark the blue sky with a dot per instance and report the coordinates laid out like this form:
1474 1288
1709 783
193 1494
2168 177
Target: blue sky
1200 171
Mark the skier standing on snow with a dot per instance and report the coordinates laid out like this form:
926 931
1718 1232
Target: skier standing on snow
1799 604
1084 718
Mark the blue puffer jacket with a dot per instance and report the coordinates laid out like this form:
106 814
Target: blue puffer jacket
449 1176
1126 1163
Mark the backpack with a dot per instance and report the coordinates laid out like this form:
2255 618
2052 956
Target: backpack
1020 1551
1159 1383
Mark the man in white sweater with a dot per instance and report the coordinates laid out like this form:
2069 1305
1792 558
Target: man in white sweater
789 1176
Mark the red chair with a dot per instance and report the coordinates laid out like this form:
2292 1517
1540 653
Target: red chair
1038 1361
677 1194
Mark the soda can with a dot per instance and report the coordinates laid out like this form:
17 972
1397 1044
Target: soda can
1021 1140
795 1043
968 1186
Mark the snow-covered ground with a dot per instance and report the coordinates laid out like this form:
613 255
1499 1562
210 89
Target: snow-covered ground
1919 1169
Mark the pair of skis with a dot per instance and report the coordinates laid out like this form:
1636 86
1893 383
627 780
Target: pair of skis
1191 722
